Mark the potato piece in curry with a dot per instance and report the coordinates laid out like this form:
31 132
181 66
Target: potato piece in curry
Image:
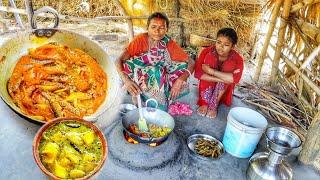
70 150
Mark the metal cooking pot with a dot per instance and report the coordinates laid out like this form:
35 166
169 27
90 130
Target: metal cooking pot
152 116
18 45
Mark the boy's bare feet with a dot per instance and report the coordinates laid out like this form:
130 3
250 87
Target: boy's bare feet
212 114
202 110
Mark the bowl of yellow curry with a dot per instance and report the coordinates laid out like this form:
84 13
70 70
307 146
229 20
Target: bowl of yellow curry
69 148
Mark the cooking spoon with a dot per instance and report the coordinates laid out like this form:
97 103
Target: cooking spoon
142 124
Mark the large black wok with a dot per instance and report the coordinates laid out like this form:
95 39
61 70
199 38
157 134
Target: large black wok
19 44
152 116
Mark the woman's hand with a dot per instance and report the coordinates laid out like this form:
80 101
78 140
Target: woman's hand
132 87
176 88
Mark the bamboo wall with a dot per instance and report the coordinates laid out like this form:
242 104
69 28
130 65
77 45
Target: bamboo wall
296 63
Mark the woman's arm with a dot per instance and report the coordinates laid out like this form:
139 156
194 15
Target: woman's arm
131 86
176 87
190 68
207 77
223 76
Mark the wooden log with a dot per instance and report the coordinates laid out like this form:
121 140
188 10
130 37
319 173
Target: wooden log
280 42
274 16
303 4
310 153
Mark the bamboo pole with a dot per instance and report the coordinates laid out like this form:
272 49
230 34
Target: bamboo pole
293 67
303 4
281 36
295 58
308 29
314 86
253 51
3 21
2 15
311 57
16 15
299 83
29 11
310 153
274 16
129 21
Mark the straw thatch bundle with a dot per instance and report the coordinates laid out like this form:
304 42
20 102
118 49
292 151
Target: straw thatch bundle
201 17
205 18
76 7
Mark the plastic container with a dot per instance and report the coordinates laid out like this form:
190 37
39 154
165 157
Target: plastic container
243 131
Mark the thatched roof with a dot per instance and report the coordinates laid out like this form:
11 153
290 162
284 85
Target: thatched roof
201 17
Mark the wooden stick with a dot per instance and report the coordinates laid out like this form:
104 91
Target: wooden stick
265 107
276 101
302 101
276 112
275 13
280 42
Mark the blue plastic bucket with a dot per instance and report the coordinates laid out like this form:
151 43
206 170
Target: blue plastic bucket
243 132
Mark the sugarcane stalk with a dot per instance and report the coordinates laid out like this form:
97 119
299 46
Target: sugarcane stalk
273 20
280 42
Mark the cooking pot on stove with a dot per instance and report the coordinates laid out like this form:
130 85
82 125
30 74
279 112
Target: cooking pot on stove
152 116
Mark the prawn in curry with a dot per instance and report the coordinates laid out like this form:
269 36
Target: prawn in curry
56 81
